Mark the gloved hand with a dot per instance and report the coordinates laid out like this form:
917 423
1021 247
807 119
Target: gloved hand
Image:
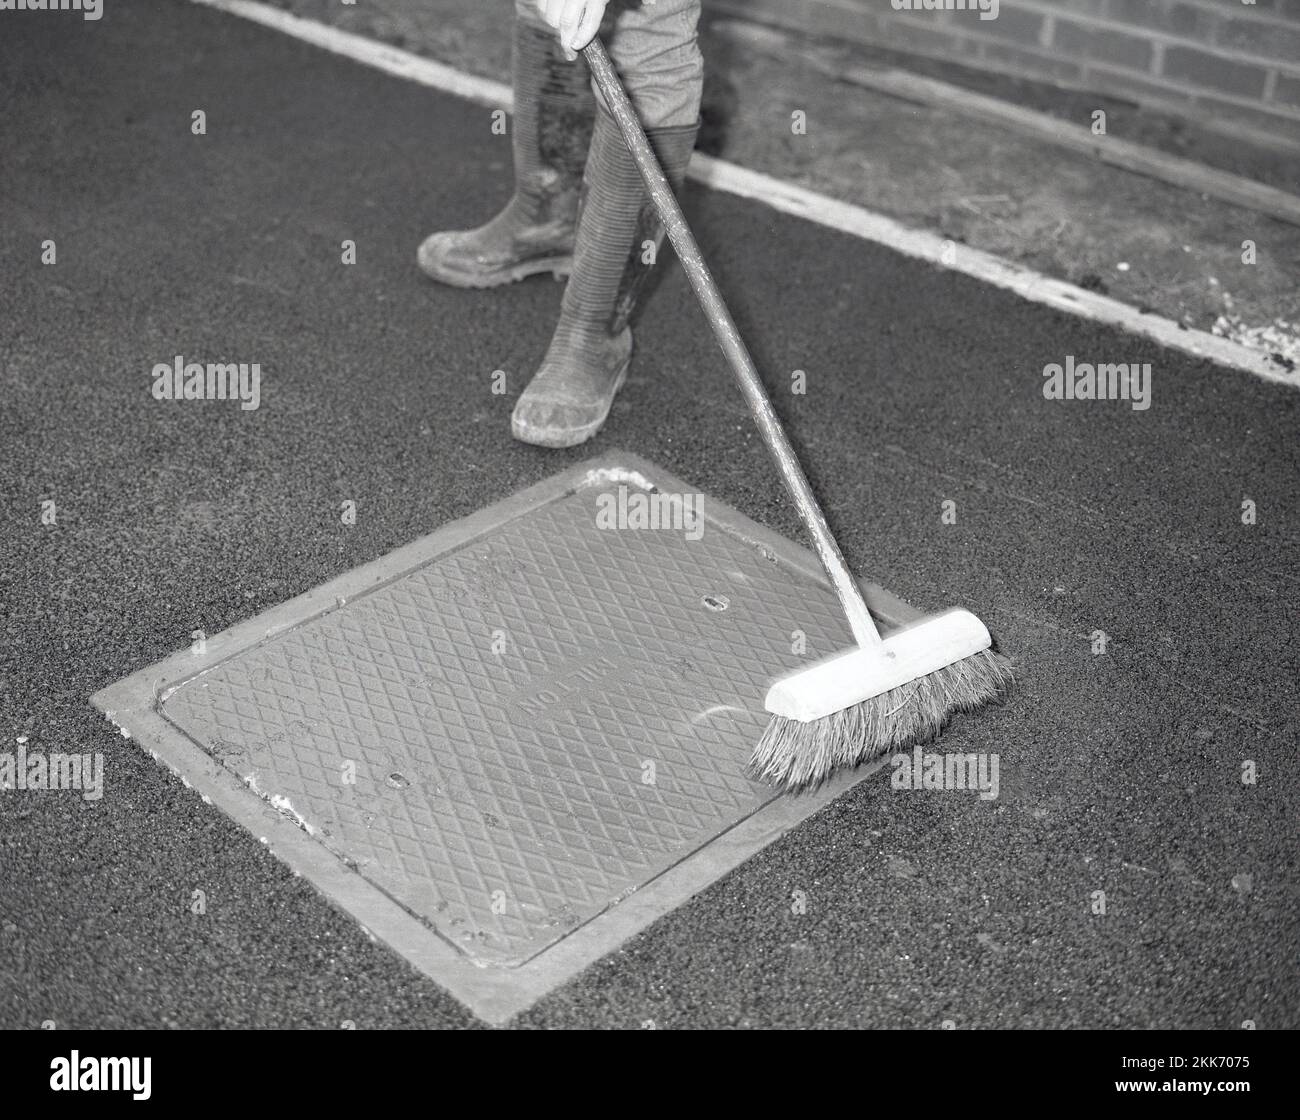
576 21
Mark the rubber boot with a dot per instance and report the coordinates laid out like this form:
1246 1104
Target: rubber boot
617 242
554 113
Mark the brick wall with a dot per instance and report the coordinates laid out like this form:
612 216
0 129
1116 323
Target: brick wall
1226 63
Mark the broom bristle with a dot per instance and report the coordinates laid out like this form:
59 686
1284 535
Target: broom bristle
794 756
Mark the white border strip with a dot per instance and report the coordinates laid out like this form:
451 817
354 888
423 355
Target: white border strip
371 52
790 199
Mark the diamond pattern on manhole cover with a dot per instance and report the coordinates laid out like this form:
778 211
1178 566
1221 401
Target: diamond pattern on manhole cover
515 736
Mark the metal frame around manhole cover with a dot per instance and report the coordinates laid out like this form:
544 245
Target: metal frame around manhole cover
493 994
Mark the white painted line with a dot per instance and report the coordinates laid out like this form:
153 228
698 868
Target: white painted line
1025 282
809 205
369 52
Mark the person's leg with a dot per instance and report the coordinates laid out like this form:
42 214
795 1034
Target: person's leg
653 46
550 134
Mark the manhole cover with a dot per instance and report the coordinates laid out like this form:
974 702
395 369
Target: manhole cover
511 744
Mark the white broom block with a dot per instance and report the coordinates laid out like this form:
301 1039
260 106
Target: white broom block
849 678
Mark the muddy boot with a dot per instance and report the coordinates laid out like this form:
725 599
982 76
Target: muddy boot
554 110
569 397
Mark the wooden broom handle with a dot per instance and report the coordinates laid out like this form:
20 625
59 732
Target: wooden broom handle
724 330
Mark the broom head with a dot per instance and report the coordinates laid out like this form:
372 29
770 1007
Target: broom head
870 701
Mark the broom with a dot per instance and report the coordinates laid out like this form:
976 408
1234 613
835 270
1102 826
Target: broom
885 694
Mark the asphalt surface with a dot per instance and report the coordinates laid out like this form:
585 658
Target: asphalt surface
1120 772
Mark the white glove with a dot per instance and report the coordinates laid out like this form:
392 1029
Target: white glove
577 21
